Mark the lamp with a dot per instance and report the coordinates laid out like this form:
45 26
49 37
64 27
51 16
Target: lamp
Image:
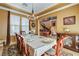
66 30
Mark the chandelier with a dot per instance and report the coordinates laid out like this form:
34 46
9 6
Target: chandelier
33 16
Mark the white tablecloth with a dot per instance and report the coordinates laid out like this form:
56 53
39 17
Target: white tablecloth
36 45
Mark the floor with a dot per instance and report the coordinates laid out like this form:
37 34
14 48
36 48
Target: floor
72 52
11 51
1 49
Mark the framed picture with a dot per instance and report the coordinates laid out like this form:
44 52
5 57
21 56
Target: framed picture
69 20
33 25
53 20
32 22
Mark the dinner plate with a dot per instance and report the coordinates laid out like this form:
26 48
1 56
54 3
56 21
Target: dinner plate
47 40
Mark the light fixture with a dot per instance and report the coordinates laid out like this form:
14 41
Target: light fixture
33 16
66 30
24 5
33 13
32 9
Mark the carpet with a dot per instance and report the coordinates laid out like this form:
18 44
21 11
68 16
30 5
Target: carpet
10 50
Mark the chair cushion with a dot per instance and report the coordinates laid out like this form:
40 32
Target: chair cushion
51 52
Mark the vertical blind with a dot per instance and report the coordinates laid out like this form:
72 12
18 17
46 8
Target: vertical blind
25 25
14 24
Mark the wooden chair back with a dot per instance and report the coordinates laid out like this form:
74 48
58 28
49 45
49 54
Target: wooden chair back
57 49
24 47
21 46
18 43
59 46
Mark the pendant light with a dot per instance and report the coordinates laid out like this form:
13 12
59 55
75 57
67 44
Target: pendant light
33 16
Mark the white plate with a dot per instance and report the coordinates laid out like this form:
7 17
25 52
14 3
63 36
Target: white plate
47 40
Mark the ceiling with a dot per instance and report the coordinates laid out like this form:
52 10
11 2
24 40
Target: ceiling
37 7
40 9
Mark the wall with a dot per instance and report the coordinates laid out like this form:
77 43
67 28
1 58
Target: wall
3 24
71 11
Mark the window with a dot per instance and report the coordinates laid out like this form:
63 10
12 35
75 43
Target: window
25 25
14 24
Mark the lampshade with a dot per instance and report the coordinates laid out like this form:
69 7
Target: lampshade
66 30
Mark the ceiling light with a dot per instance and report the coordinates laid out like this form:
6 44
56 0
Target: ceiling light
24 4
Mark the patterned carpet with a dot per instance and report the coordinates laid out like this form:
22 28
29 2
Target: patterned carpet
12 51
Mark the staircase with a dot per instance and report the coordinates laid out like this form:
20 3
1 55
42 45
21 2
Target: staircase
46 29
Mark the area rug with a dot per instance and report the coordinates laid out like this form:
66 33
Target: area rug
10 50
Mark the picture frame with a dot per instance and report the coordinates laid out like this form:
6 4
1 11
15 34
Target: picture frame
69 20
33 25
53 20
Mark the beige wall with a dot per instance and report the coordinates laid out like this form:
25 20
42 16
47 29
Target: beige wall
71 11
3 24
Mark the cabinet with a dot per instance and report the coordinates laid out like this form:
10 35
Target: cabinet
72 43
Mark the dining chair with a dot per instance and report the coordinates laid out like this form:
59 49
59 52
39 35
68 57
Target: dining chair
21 46
24 47
56 50
23 32
18 43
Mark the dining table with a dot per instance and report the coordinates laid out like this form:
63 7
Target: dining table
38 44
